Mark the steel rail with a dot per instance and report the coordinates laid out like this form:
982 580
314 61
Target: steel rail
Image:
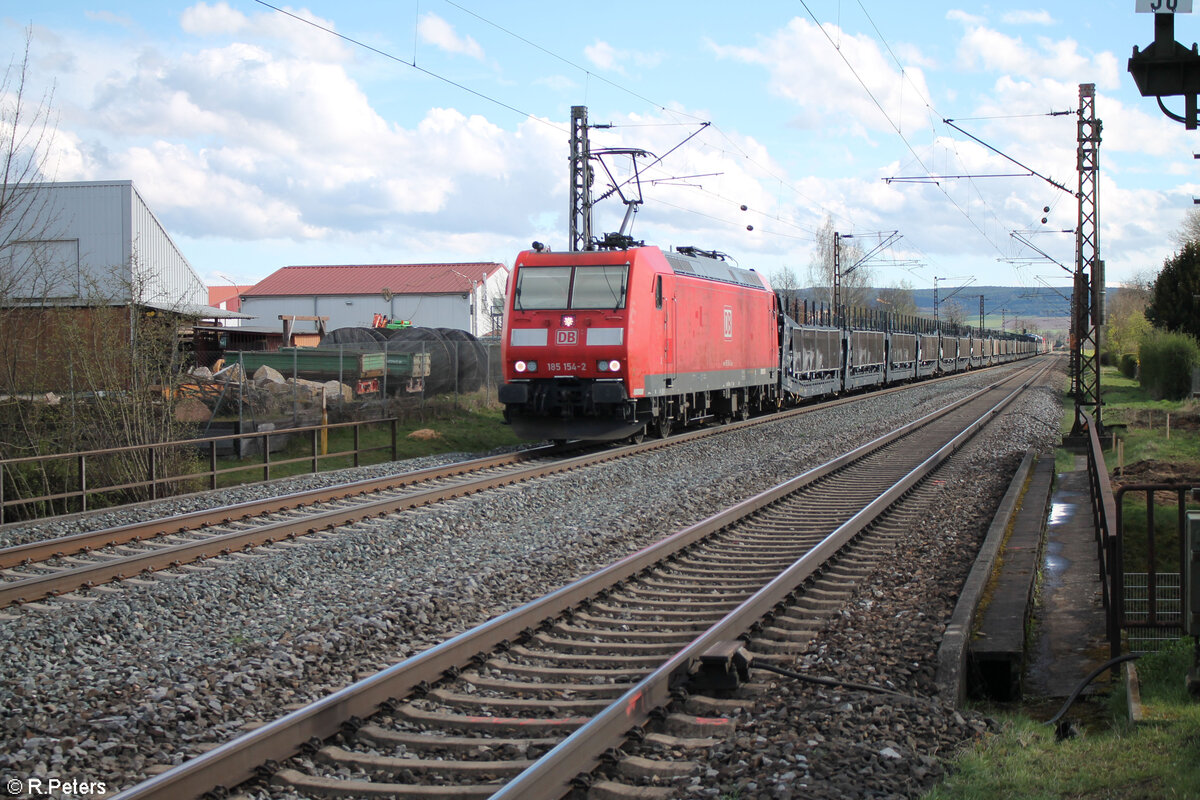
81 542
242 758
550 777
166 526
40 586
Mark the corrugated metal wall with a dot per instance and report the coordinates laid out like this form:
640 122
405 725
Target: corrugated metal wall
78 243
160 272
357 311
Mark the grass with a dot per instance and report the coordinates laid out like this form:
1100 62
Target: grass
1145 421
1159 758
468 430
1144 439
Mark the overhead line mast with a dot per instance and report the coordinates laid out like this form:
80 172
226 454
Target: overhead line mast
579 215
1087 305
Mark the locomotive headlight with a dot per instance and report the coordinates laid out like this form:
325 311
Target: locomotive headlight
525 366
568 320
609 366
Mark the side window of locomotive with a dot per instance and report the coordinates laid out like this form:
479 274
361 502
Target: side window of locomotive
599 287
542 288
658 296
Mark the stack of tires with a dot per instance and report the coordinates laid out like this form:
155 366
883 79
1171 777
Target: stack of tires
458 362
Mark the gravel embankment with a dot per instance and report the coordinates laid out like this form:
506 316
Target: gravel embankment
147 674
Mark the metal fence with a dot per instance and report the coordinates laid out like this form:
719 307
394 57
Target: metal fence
1142 605
377 378
72 482
1152 596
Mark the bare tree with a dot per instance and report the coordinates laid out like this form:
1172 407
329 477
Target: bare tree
27 132
784 279
1189 231
856 275
84 363
952 312
898 299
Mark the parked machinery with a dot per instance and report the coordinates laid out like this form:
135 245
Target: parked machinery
609 344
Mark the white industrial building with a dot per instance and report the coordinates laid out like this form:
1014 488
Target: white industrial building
466 296
93 243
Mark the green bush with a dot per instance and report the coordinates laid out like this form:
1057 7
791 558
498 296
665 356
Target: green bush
1129 365
1167 360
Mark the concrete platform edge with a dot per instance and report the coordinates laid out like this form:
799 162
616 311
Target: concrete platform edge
952 654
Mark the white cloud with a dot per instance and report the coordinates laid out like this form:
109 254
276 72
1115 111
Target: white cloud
296 35
805 69
219 19
1040 17
988 49
110 18
604 56
241 142
440 33
955 15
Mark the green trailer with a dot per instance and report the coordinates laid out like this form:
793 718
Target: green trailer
407 371
364 370
311 363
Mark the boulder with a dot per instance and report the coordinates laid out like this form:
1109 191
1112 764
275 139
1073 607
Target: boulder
189 409
267 374
336 391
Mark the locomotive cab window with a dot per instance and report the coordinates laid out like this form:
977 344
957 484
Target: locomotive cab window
599 287
546 288
658 295
543 288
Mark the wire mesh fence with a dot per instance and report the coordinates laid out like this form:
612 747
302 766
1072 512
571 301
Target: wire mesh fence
1165 611
357 379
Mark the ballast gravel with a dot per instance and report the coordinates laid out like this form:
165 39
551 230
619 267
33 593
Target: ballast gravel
148 674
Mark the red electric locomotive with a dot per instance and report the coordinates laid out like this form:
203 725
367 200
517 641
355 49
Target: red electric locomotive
607 344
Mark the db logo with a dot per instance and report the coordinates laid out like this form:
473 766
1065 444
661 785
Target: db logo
566 337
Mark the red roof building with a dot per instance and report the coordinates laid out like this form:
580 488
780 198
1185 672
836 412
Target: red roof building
468 296
226 297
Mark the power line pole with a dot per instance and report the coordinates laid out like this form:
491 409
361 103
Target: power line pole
837 273
579 215
1087 316
937 317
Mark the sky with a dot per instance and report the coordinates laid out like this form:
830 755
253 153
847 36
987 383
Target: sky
439 131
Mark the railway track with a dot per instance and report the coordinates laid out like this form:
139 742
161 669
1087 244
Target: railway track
524 704
60 566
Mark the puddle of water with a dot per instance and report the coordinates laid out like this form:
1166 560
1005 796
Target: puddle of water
1060 513
1055 565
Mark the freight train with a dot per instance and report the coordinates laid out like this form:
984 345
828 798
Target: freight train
612 344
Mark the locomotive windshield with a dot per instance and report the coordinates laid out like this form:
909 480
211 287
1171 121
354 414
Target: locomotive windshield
543 287
561 288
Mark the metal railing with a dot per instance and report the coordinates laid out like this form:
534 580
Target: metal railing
67 487
1143 606
1150 606
1104 516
